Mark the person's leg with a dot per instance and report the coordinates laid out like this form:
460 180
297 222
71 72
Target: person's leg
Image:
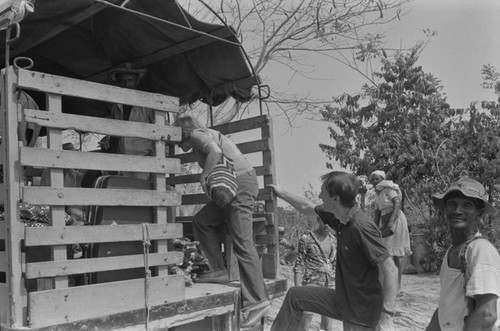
399 261
240 227
298 299
205 227
305 321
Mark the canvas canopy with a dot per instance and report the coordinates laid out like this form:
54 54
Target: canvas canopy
84 39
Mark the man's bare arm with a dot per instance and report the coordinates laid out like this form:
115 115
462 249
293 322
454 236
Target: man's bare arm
301 204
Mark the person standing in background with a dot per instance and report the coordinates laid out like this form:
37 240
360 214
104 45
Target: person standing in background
129 77
315 266
470 272
391 219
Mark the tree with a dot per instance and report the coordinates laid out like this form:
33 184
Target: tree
286 32
404 126
395 125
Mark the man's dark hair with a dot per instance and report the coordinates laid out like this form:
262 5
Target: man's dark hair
344 185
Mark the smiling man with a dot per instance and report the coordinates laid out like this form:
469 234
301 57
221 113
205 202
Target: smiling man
360 299
470 272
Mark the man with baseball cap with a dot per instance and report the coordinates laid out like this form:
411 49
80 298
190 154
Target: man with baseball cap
470 272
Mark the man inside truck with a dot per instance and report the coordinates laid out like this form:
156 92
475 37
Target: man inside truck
129 77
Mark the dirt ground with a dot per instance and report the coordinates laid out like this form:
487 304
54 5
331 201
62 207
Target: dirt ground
414 307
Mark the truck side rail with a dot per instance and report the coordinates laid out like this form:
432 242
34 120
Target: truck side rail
36 309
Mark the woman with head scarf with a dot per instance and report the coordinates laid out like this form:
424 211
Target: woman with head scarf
391 219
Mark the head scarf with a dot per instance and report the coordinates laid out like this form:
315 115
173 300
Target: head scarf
379 173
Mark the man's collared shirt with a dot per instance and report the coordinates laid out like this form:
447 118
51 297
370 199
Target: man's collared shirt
359 251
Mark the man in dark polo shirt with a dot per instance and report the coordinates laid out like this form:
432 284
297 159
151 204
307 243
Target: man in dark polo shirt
366 278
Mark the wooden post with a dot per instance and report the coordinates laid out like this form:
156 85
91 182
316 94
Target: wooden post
161 213
54 141
14 315
271 258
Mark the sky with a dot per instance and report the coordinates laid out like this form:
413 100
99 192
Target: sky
467 39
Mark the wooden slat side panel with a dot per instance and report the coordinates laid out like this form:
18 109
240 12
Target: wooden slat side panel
39 195
245 148
268 218
85 302
270 263
14 311
3 262
183 179
4 302
39 81
201 301
243 125
52 235
195 178
38 157
201 198
79 266
103 126
2 193
3 230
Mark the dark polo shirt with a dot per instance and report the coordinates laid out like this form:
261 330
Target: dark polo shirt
359 250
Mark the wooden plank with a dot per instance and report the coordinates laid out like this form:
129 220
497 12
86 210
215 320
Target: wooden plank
183 179
4 260
201 301
201 198
245 148
80 266
4 302
60 196
99 300
103 126
62 235
268 218
56 177
195 178
14 310
270 264
38 157
243 125
43 82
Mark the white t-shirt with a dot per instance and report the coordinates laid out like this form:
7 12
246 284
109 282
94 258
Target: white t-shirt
483 265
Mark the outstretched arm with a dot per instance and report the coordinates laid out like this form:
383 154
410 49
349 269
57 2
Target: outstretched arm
301 204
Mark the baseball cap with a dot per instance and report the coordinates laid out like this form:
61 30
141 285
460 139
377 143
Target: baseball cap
470 188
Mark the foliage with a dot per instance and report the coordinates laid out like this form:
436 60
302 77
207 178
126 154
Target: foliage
403 125
396 125
295 223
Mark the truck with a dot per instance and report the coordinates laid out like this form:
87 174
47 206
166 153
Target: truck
61 54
